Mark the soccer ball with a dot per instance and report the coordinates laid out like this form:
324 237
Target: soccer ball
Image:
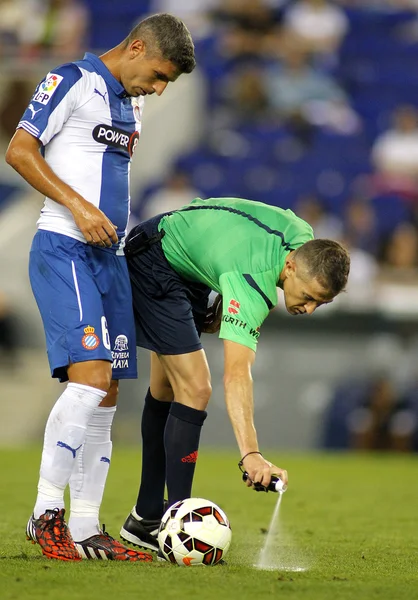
194 532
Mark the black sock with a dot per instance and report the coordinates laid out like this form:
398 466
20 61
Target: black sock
181 441
151 492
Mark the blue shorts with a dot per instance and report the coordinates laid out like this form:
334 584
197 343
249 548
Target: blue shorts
84 297
169 311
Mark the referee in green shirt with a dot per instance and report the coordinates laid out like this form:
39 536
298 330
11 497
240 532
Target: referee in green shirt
243 250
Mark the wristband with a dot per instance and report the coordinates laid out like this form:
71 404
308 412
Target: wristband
241 462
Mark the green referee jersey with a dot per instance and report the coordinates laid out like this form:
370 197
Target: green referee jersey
237 248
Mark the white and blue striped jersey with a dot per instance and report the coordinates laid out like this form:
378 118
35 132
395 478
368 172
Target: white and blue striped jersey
89 128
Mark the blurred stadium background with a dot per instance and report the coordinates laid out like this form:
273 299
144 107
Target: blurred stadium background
307 104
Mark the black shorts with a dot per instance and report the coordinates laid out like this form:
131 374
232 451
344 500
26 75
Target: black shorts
169 311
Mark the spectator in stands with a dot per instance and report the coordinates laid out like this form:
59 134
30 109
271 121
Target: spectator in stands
360 226
395 154
17 31
194 14
317 26
34 27
325 224
361 289
243 99
248 27
382 422
357 231
65 28
10 19
297 90
176 191
401 250
336 116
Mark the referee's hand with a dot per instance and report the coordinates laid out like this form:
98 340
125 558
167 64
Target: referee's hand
260 470
94 225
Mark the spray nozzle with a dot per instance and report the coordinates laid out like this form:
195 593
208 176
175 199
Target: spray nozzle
275 485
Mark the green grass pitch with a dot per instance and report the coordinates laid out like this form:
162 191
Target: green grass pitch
350 520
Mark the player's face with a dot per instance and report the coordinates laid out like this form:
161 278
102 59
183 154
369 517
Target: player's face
142 75
302 295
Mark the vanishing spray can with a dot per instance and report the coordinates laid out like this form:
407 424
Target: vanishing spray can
275 485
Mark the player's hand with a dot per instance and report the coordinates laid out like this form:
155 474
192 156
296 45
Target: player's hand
260 470
94 225
213 316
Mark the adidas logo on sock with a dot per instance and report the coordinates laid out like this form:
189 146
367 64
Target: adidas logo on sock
190 458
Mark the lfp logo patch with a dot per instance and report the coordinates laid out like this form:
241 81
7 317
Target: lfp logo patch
233 307
47 88
90 341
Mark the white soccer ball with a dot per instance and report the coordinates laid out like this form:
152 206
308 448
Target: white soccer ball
194 532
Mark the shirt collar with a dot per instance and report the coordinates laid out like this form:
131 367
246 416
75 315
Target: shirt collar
110 79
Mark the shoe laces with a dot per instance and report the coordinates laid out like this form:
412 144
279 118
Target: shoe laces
52 517
54 520
104 532
107 535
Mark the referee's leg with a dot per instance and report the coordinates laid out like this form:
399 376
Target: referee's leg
189 377
150 501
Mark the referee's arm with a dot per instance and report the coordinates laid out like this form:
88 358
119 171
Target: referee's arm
238 386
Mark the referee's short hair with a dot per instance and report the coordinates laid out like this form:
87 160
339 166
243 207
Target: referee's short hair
167 36
326 261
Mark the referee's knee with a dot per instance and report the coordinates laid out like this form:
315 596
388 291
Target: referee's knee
162 391
199 393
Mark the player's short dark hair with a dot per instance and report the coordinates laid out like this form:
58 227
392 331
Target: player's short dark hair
326 261
168 36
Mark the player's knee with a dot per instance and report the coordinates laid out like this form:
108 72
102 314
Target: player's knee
99 378
95 373
112 395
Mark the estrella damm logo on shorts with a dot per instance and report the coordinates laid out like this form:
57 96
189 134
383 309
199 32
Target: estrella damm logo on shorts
90 341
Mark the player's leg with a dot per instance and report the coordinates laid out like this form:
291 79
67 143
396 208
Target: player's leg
141 525
66 429
70 307
154 417
87 486
90 472
189 377
91 468
64 437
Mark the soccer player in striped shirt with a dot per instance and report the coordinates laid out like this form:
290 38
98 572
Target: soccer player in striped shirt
74 144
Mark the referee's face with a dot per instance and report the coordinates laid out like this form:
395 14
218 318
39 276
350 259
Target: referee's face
142 74
302 294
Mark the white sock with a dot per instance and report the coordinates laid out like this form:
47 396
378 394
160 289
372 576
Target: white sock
89 475
65 432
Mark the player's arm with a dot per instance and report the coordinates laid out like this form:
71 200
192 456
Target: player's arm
238 385
23 154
